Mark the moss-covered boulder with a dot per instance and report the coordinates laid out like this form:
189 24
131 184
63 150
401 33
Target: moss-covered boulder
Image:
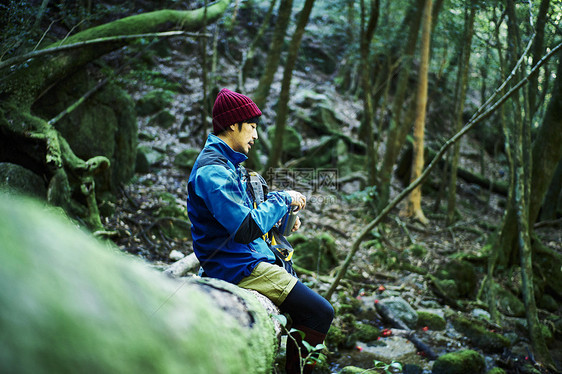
462 274
318 254
103 125
365 332
163 119
150 155
431 320
186 158
75 304
461 362
17 179
400 309
507 303
154 101
478 335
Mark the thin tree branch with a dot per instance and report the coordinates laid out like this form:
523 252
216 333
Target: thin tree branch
18 59
476 118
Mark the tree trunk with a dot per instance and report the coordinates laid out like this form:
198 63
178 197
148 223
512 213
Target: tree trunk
274 55
248 55
77 305
366 70
398 129
25 83
462 82
413 205
519 137
538 51
547 149
283 105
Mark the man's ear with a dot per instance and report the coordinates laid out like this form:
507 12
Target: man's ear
233 126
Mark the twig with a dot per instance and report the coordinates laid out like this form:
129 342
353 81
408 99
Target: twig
554 222
479 116
110 39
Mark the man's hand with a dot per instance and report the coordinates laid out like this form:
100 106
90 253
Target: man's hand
297 199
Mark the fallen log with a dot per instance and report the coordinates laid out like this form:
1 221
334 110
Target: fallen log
181 267
75 304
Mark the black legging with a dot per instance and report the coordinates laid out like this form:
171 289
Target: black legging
307 308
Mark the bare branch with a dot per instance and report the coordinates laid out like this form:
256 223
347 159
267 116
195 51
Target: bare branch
18 59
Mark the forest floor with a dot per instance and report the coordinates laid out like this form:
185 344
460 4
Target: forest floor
342 212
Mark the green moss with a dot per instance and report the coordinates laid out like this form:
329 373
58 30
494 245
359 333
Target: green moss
186 158
164 119
496 370
352 370
461 362
508 303
462 273
317 254
366 333
154 101
417 250
335 337
431 320
479 336
76 305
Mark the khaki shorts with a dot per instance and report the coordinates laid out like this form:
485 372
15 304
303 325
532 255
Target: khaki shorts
270 280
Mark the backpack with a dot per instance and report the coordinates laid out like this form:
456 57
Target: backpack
275 240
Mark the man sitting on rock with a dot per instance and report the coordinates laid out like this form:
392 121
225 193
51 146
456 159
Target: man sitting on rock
227 228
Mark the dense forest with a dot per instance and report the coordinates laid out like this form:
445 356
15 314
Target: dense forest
425 134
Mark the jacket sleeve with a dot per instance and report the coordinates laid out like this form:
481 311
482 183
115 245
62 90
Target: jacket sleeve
262 219
225 199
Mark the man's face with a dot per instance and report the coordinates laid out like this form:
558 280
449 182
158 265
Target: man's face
243 138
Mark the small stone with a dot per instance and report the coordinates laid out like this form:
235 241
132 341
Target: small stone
176 255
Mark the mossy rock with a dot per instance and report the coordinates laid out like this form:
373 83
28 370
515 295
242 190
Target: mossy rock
17 179
104 125
154 101
152 155
186 158
366 333
462 273
335 337
431 321
549 303
317 254
461 362
477 333
163 119
508 303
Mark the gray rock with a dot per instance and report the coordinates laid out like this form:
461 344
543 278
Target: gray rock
400 309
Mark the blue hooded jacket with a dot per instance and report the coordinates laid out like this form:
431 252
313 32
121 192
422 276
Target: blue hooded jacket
219 206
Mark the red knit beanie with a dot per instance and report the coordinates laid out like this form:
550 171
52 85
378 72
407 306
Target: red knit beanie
230 108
